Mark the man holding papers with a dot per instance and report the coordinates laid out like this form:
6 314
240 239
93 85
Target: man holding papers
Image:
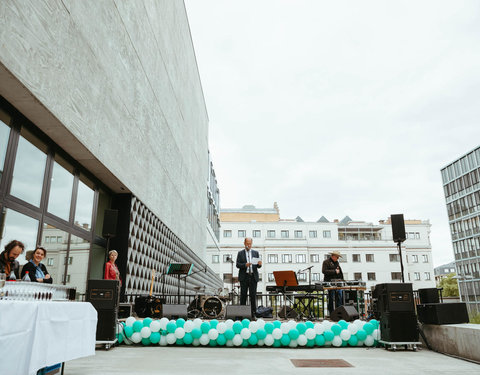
248 262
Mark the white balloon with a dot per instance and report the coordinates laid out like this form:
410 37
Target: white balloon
369 341
260 343
188 326
285 327
376 334
345 334
302 340
229 343
245 333
136 337
197 322
277 333
360 343
269 340
237 340
171 339
310 333
212 334
196 342
229 323
130 320
119 328
327 324
221 327
253 326
204 339
328 343
319 328
293 343
260 323
155 326
353 328
163 324
337 341
292 324
163 340
179 333
145 332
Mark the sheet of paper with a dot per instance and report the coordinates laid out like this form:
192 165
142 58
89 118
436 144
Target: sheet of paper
255 260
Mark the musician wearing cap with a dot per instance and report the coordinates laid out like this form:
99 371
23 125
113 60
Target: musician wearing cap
248 264
332 271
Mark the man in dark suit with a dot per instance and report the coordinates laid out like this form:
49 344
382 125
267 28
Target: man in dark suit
332 271
248 274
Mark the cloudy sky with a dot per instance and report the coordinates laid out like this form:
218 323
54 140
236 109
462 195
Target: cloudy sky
340 108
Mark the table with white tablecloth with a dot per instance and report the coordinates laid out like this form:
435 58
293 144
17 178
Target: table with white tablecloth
36 334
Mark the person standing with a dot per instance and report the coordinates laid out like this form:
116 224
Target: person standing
8 258
37 272
111 269
332 271
248 264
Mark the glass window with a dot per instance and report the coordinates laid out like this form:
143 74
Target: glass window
227 277
84 207
97 260
327 234
298 234
357 276
427 275
79 252
394 258
271 234
285 234
312 234
272 258
369 257
417 276
259 277
49 261
256 233
61 189
371 276
270 277
301 258
314 258
396 275
29 169
18 227
343 259
4 135
57 252
286 258
356 258
425 258
215 258
242 233
302 277
415 258
227 258
315 276
227 233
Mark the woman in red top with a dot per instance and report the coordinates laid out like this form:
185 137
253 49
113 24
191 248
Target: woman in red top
111 270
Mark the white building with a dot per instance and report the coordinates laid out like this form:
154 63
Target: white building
369 253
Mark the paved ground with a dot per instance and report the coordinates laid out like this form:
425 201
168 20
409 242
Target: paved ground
266 361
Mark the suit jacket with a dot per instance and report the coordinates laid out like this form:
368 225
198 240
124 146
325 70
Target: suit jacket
242 264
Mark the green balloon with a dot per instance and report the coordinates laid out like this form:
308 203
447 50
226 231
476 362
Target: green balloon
353 341
301 327
245 344
361 335
320 339
329 335
120 338
188 338
245 323
374 322
293 333
237 327
342 323
147 321
196 333
269 327
368 327
309 324
344 343
146 341
310 343
261 334
229 334
277 323
155 337
128 331
221 339
336 329
285 340
277 344
180 322
214 323
179 342
213 343
205 327
171 327
253 340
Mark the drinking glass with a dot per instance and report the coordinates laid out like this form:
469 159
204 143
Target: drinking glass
3 278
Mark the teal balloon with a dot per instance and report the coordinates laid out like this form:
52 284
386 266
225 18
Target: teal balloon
137 326
221 339
293 334
146 341
229 334
342 323
155 337
253 340
237 327
245 323
196 333
374 322
147 321
368 327
285 340
361 335
301 327
171 327
180 322
320 339
205 327
344 343
179 342
277 323
187 339
336 329
261 334
245 344
277 344
128 331
214 323
310 343
309 324
329 335
353 341
120 338
213 343
269 327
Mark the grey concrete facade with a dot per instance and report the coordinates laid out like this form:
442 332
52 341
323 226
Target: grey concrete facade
115 84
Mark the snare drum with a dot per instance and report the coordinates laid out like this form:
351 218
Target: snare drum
212 307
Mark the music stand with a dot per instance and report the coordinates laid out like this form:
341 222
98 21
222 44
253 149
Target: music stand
285 278
179 269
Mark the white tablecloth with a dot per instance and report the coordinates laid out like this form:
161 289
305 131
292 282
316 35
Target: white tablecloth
38 334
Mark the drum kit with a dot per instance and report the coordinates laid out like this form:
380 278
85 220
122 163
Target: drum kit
206 305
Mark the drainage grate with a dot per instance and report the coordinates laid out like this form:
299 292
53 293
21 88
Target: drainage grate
320 363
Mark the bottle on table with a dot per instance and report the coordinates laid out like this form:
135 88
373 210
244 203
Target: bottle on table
12 276
26 277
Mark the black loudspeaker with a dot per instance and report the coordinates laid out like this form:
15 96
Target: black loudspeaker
286 312
345 312
398 228
174 311
110 223
106 325
393 297
428 295
238 312
149 306
399 326
124 310
443 313
103 295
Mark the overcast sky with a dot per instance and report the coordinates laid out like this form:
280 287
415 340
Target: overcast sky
340 108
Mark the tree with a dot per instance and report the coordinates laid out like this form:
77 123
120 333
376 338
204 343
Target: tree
449 285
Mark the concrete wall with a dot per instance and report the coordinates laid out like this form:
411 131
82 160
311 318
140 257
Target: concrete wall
115 83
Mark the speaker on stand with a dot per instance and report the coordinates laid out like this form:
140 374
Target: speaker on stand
346 312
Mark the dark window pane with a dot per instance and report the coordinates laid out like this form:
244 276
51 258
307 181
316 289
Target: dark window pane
55 241
83 211
4 134
80 252
61 189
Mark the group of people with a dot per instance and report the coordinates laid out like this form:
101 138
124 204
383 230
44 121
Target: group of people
37 272
248 264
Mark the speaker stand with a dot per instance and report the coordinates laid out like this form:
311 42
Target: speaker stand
399 244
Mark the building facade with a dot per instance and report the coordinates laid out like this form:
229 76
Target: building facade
461 184
101 107
368 251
